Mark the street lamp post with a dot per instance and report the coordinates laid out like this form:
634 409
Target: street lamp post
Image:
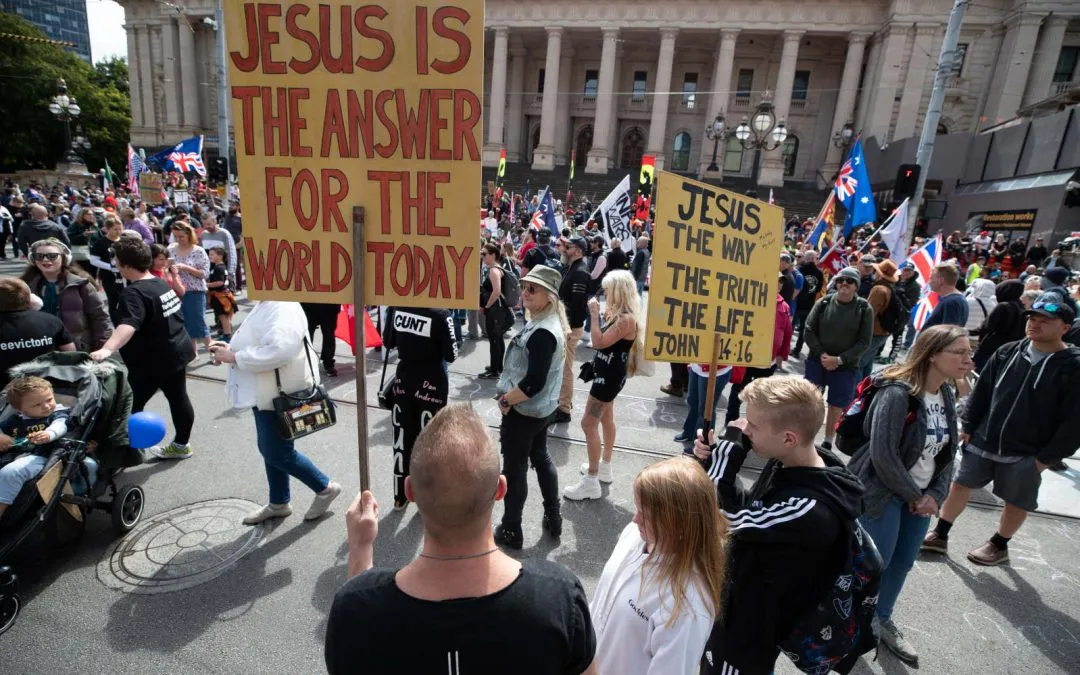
841 138
80 144
66 109
761 132
715 133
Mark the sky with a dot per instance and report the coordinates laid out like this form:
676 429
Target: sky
107 35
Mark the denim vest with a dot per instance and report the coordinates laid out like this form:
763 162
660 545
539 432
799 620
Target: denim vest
516 365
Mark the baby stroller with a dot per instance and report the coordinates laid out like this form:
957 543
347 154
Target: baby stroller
78 477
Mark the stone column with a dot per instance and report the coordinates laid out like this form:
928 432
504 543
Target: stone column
718 100
866 96
544 153
563 126
887 80
497 98
515 115
146 82
133 77
1046 57
605 102
189 87
661 95
772 164
845 99
1014 64
613 129
911 101
168 79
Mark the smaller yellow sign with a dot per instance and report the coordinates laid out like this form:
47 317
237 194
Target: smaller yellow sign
151 186
715 269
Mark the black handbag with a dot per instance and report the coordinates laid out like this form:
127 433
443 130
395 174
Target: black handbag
303 413
587 372
386 388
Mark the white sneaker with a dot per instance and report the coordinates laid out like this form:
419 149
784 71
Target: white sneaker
266 513
587 488
604 473
322 501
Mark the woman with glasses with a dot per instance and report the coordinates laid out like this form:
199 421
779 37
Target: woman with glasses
498 317
616 337
101 261
68 293
907 465
528 391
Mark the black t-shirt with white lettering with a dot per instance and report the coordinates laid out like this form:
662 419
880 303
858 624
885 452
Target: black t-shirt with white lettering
151 307
539 624
27 335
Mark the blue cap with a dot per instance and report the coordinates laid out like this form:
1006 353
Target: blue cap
907 265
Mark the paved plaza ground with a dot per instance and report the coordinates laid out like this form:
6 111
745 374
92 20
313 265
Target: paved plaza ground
193 591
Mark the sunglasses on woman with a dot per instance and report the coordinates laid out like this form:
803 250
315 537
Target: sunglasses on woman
530 288
46 256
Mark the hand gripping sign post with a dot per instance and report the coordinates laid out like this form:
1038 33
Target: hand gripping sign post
358 150
714 278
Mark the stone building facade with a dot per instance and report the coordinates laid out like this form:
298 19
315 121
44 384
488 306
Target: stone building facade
611 80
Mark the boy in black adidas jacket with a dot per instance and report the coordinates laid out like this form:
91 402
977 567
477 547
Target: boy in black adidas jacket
786 530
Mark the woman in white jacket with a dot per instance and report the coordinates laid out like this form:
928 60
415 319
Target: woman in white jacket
659 594
274 337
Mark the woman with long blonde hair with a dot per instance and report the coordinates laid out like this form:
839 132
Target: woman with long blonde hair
906 465
660 592
618 340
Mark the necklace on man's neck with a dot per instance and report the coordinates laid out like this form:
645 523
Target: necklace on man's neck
467 556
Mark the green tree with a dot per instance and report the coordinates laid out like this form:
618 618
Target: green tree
33 137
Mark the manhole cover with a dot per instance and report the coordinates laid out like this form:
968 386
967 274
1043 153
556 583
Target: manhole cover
181 548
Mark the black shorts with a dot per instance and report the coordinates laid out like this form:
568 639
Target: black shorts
606 386
219 309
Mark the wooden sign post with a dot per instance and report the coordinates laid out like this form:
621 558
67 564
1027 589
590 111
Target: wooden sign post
359 328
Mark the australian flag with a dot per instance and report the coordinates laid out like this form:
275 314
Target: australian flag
854 192
545 215
184 157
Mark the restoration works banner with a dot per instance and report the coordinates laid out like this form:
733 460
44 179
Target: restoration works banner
338 104
714 271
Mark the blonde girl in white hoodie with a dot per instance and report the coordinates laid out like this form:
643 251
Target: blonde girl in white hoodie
659 594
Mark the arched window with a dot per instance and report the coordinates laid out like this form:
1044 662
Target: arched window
733 155
942 129
790 153
633 147
680 152
583 146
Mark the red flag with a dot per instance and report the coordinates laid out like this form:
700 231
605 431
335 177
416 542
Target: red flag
346 329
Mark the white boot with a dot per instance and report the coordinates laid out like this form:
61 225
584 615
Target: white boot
587 488
604 472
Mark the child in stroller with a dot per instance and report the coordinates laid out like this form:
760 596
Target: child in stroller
51 507
33 432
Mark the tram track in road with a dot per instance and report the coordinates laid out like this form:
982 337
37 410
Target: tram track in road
569 439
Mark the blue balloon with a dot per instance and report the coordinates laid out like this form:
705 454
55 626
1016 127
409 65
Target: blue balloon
145 429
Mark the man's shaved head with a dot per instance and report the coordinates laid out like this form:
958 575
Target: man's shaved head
38 212
454 474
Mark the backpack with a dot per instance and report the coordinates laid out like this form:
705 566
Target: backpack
553 261
893 318
838 630
850 433
510 287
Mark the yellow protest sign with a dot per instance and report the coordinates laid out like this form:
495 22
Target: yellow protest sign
714 271
338 104
151 186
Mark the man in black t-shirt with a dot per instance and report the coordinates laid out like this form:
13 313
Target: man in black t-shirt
151 337
26 334
813 282
462 606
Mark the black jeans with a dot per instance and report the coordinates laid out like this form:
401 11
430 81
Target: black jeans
497 322
524 439
145 382
324 317
733 402
800 319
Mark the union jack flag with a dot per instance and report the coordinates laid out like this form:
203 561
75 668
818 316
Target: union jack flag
924 261
846 183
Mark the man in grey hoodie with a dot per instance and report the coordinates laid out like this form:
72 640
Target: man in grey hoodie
1020 418
38 227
